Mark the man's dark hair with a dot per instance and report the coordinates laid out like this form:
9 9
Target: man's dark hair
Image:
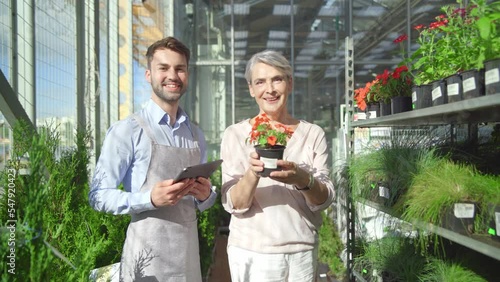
170 43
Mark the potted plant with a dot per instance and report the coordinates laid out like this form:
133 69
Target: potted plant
395 87
368 100
391 258
452 46
461 33
488 25
365 173
448 195
269 140
437 270
384 174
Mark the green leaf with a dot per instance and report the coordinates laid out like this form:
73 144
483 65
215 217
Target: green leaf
484 27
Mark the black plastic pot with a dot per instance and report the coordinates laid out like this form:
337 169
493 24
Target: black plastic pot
494 222
473 83
372 110
454 88
400 104
269 156
439 95
423 96
492 76
385 109
460 218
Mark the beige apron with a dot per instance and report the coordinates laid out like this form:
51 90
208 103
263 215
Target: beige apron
162 244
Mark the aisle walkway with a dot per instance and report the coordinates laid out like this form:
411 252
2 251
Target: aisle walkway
219 272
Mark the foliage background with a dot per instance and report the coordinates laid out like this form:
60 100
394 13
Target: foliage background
59 237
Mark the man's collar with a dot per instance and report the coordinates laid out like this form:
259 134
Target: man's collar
159 115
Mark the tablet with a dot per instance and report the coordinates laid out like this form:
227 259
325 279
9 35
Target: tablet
203 170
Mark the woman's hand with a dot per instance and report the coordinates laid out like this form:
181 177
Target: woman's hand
256 165
291 174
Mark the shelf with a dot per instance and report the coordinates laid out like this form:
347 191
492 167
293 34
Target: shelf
482 244
476 110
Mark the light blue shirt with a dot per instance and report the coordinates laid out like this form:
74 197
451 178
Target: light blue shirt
125 157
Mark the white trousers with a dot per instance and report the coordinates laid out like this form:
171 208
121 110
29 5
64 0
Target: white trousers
248 266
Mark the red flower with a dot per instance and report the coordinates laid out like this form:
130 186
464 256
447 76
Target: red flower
271 140
267 134
460 11
419 27
384 77
401 38
397 72
363 95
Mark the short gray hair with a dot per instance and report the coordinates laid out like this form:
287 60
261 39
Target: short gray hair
271 58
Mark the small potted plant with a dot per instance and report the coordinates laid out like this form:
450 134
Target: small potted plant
368 100
488 25
395 87
456 45
269 140
446 194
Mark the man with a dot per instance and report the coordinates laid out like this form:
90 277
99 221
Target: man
145 152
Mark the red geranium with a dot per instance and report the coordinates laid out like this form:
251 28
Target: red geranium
267 134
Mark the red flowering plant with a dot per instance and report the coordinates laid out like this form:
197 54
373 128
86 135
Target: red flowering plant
450 44
365 95
266 134
393 84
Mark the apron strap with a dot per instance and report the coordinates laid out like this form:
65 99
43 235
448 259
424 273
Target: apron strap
145 127
194 132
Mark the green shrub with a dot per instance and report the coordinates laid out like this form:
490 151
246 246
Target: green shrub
330 247
59 237
208 223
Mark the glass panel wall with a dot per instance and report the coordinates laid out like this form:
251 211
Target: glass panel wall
311 34
104 43
55 61
5 68
222 35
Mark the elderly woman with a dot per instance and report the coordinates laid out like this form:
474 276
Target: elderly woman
274 220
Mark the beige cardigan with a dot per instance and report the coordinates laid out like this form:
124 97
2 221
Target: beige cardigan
279 220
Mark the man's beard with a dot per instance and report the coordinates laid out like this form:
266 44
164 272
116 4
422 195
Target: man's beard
165 95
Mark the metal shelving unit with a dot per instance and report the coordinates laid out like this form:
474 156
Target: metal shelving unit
470 111
481 244
475 110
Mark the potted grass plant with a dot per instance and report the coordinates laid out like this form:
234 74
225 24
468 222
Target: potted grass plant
488 222
437 270
384 174
391 258
448 195
365 173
